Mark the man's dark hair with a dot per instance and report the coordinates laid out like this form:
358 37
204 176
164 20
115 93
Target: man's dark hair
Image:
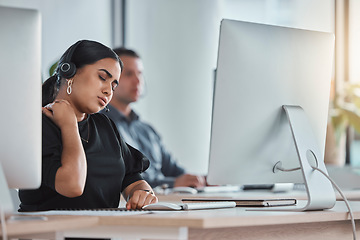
122 51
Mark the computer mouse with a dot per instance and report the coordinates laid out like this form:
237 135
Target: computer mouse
184 190
163 206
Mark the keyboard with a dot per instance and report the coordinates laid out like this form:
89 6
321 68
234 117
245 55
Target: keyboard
90 212
167 206
219 189
208 205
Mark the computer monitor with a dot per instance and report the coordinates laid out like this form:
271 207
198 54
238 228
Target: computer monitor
20 122
260 69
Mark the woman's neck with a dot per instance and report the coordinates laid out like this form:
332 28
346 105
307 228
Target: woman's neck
80 116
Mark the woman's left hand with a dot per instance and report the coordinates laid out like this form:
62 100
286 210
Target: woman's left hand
141 198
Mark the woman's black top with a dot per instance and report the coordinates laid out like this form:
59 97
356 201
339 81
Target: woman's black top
112 165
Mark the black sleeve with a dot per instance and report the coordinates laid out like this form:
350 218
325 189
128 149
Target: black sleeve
51 151
135 161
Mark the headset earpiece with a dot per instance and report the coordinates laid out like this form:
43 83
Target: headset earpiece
67 69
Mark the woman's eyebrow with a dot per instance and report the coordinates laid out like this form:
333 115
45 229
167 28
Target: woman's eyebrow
107 72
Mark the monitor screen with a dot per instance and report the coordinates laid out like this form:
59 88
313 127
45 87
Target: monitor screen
20 122
260 68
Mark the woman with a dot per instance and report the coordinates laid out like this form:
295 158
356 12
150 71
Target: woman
85 163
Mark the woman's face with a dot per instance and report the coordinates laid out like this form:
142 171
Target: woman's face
93 85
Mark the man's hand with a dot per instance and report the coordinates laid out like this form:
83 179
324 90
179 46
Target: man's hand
189 180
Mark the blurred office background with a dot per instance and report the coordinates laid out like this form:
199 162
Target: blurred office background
177 40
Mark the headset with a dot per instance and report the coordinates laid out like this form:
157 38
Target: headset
67 69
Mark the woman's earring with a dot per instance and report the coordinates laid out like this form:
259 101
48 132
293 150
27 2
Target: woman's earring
69 89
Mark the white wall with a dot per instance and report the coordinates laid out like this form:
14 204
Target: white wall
63 25
177 41
306 14
354 40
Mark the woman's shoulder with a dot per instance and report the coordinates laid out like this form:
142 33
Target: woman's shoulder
49 129
47 122
100 117
102 120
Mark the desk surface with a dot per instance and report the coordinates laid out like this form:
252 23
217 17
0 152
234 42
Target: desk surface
237 223
260 194
199 224
232 217
52 224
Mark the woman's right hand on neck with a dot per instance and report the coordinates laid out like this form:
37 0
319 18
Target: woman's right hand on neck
61 113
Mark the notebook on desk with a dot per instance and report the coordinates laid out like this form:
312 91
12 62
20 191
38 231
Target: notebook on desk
245 202
168 206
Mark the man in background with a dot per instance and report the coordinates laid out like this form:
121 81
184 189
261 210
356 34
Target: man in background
163 170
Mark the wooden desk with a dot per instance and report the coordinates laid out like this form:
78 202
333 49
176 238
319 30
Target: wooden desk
251 194
47 228
236 223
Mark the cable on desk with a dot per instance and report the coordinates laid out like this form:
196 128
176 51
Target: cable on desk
3 223
344 198
337 188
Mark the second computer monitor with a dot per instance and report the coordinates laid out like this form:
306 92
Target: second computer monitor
260 69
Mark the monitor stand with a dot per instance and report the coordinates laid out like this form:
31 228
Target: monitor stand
319 190
6 203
